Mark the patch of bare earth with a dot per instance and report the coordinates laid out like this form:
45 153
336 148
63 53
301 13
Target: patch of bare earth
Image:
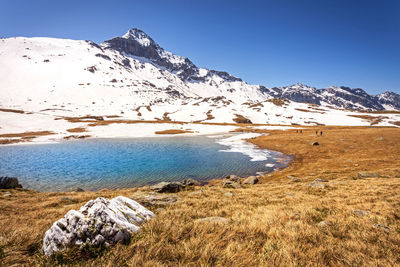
307 110
241 119
77 130
13 138
27 134
12 110
173 131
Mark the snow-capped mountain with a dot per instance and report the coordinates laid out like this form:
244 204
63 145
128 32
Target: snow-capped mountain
136 43
339 97
389 100
46 82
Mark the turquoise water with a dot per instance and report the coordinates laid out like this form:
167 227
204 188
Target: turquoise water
95 164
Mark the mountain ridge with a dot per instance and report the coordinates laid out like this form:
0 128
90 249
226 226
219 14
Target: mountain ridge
137 43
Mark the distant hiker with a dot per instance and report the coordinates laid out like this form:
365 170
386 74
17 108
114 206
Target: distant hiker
321 133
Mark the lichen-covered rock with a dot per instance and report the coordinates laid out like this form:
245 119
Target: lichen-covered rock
100 222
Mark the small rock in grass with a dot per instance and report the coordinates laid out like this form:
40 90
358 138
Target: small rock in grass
228 194
190 182
324 224
382 226
315 144
230 184
214 219
154 199
380 138
294 178
78 189
360 213
320 180
250 180
167 187
6 194
196 193
367 175
317 185
233 178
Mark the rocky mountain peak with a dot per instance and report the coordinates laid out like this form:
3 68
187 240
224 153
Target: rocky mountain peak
140 36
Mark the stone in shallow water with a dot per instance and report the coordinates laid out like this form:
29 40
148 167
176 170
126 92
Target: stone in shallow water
99 222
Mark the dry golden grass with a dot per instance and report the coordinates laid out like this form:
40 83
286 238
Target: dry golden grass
275 223
241 119
12 110
27 134
278 101
77 130
173 131
310 111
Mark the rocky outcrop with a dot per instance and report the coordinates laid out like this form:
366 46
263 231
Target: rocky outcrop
190 182
250 180
100 222
9 183
167 187
154 199
173 187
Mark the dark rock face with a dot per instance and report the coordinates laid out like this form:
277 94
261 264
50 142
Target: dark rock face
137 43
9 183
390 99
348 98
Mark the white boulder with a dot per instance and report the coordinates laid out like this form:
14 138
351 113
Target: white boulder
100 222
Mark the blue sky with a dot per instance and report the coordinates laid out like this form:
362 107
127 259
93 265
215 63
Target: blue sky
274 43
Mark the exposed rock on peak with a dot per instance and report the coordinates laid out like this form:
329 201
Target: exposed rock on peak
137 43
138 35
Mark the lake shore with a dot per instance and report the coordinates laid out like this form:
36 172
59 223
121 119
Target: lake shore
348 217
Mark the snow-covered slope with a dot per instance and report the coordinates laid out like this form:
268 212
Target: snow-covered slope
46 80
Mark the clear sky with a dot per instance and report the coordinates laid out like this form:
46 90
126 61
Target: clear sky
273 43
